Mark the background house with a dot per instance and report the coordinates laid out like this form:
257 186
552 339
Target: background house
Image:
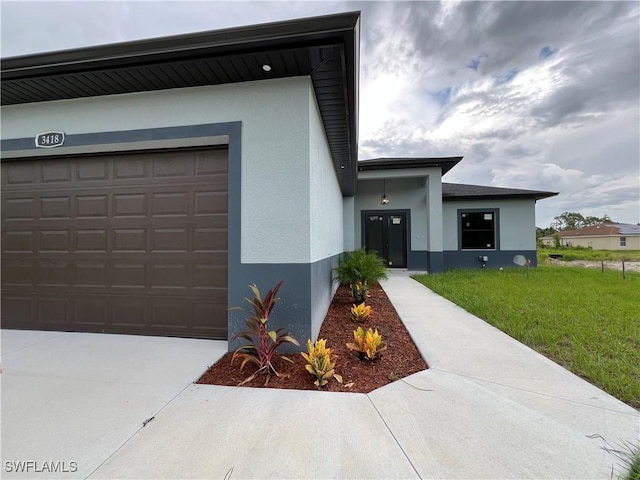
146 184
606 236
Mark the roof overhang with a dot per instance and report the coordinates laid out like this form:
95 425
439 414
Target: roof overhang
444 163
324 48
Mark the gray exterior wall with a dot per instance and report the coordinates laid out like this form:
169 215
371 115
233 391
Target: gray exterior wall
515 233
419 191
433 229
285 205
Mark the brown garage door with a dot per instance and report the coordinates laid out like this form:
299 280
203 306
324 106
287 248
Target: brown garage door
133 243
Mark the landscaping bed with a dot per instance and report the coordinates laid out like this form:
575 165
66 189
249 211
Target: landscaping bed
400 359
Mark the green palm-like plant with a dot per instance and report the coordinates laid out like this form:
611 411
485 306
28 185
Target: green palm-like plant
360 269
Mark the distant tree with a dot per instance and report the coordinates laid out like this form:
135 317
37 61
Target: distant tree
544 232
588 221
574 221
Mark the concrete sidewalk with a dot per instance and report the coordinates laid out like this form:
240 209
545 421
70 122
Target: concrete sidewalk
488 407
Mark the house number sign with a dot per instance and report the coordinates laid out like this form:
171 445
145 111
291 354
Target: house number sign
49 139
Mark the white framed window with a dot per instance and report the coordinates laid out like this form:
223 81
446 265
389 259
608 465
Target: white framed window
623 241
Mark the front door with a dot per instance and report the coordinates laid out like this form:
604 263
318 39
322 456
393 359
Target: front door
386 233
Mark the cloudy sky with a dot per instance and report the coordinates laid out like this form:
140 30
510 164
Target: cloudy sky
533 94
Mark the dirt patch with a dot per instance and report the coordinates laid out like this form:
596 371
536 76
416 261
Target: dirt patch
608 264
401 358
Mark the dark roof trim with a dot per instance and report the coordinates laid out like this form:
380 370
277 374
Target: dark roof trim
324 48
458 191
446 163
234 40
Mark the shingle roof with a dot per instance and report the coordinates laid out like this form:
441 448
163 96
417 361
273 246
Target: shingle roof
459 191
604 229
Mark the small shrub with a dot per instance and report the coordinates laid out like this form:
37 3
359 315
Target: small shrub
360 312
360 269
368 344
263 342
320 364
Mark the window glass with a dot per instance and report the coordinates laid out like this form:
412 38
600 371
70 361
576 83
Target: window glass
477 230
623 241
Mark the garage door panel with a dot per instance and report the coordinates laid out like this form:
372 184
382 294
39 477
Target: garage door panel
90 274
208 239
170 166
128 312
19 208
17 273
54 273
170 240
17 311
90 312
92 206
129 168
56 171
54 241
203 315
129 204
164 276
55 207
170 315
209 277
93 240
128 275
109 243
92 170
211 164
129 240
53 313
174 204
18 241
207 203
20 174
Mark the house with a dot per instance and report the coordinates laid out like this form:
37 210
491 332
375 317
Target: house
146 184
605 236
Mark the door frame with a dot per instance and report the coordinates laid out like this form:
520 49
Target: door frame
406 212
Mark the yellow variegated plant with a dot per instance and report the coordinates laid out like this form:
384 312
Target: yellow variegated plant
368 344
321 365
360 312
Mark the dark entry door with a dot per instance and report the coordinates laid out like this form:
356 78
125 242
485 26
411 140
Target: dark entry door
386 233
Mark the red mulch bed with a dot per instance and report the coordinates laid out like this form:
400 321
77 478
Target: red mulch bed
401 358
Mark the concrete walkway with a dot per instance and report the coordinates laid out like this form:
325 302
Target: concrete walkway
489 407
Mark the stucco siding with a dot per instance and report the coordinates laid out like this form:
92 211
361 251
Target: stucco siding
403 193
516 222
348 222
325 196
275 218
326 225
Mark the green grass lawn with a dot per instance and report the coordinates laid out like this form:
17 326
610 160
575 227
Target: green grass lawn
570 253
583 319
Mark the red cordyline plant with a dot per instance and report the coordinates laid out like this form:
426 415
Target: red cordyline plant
263 342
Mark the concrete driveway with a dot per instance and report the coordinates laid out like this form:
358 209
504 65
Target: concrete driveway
488 407
70 400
